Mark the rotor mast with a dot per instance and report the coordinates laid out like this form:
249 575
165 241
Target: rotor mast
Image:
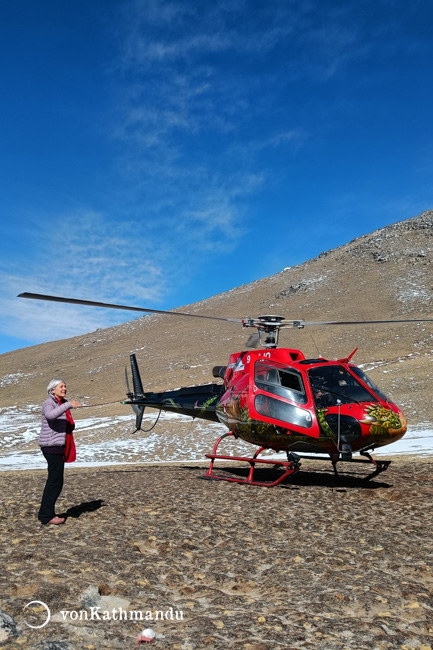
268 330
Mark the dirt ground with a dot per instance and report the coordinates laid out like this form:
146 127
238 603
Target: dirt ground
317 562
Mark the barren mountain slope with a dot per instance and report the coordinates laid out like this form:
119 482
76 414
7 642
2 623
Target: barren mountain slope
386 274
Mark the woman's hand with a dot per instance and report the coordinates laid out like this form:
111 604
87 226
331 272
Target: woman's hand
75 404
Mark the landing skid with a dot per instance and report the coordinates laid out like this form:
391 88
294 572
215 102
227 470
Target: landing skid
290 467
380 465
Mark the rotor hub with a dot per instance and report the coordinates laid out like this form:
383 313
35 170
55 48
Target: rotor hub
268 328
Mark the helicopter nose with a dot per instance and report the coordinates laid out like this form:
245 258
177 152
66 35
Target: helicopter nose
347 427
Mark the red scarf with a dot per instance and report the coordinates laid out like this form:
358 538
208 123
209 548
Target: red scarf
70 453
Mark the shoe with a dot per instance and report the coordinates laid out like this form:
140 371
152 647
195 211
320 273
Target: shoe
57 520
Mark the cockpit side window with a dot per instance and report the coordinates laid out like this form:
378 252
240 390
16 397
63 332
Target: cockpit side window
281 381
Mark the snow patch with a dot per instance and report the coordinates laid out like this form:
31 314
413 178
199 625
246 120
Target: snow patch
103 440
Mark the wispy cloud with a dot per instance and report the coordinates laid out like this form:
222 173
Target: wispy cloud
207 97
191 96
198 79
33 321
208 100
86 256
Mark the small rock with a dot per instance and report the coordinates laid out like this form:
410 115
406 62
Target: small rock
109 603
90 597
8 627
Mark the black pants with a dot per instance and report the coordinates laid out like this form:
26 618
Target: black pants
53 486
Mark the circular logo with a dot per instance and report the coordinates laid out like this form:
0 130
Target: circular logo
37 613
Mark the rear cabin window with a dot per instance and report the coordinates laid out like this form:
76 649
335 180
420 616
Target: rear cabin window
277 379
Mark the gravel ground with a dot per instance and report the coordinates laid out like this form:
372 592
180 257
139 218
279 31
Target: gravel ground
317 562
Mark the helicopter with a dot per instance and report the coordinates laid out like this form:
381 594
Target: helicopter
277 399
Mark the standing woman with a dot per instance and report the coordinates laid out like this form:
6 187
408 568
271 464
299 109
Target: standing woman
57 422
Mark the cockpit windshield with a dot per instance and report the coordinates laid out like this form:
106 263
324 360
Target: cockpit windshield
363 377
334 384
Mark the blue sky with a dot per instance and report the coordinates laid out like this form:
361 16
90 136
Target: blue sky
158 152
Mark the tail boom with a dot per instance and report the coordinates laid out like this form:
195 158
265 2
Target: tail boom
195 401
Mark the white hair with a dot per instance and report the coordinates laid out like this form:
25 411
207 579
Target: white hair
53 383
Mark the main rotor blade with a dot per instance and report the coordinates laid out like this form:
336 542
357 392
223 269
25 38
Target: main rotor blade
91 303
368 322
249 322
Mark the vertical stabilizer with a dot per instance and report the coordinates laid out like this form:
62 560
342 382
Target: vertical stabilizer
138 391
136 379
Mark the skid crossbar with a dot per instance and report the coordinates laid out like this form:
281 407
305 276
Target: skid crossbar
290 467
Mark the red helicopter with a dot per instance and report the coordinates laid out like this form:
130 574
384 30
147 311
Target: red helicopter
277 399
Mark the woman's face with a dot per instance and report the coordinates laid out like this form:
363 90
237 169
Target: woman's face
60 390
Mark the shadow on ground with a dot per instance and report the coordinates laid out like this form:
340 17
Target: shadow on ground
320 477
88 506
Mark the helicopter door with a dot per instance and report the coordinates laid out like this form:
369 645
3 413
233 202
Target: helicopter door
280 383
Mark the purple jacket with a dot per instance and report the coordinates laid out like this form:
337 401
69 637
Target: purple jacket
53 426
